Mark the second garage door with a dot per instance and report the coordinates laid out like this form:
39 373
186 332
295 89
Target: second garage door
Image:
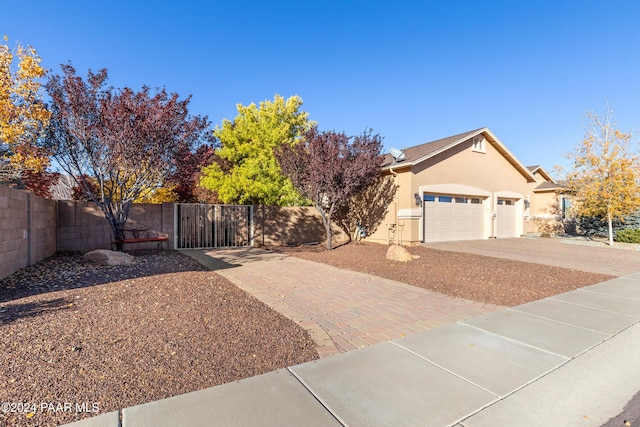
506 218
451 217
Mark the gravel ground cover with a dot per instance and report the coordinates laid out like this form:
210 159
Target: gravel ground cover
475 277
81 339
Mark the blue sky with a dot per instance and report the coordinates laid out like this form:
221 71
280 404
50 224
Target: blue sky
413 71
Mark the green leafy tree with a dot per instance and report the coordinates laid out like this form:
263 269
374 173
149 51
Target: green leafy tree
248 172
604 174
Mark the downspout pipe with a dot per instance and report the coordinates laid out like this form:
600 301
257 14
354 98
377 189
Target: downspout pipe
395 213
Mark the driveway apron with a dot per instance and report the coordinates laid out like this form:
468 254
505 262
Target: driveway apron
342 310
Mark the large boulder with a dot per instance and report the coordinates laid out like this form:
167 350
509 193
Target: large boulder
107 257
398 253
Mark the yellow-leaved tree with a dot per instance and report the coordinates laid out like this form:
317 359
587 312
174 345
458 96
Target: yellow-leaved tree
23 114
248 172
166 194
604 175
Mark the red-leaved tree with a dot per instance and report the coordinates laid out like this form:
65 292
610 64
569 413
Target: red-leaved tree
330 167
188 171
117 144
40 182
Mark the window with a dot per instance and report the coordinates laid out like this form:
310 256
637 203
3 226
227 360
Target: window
478 144
445 199
429 198
461 200
475 201
566 206
505 202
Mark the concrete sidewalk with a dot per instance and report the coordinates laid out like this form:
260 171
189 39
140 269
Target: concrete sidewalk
571 359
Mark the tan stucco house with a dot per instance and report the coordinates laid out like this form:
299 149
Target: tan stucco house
464 187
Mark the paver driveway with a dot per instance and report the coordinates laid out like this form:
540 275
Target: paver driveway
343 310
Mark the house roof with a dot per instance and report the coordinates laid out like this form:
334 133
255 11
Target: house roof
549 186
413 155
419 153
541 171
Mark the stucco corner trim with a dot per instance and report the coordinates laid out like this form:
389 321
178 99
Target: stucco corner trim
409 213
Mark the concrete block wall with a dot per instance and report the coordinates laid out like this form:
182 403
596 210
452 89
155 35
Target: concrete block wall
42 226
156 217
83 227
27 229
33 228
283 226
168 223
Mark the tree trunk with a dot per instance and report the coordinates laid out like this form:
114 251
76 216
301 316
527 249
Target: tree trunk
118 233
609 220
327 226
263 219
117 221
326 218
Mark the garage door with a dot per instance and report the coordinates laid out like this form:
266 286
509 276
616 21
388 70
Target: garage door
451 217
506 218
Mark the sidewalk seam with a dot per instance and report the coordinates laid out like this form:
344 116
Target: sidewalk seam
611 295
334 415
559 321
595 308
461 421
519 342
445 369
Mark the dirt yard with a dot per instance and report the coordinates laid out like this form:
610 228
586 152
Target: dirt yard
106 338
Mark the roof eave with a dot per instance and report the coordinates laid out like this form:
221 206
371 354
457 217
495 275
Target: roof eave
500 146
447 147
550 189
394 166
502 149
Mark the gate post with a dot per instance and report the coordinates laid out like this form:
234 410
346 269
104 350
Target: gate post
251 225
175 226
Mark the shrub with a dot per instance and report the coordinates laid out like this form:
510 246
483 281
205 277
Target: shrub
628 235
595 227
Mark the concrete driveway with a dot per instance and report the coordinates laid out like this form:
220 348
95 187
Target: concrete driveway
567 253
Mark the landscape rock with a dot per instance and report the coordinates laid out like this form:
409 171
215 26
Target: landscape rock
107 257
398 253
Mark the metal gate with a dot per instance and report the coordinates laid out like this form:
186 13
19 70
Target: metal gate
213 226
